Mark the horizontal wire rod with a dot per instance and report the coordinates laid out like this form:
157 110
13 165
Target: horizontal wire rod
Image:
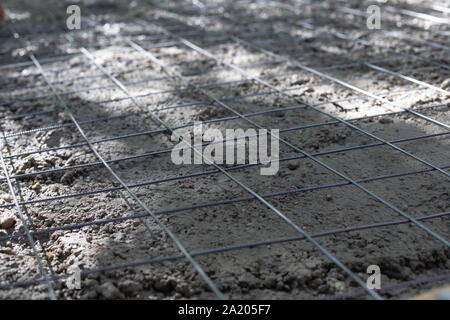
205 71
145 183
306 58
186 105
168 44
114 174
210 162
336 66
214 203
135 82
394 208
415 14
159 152
62 58
268 76
209 85
154 45
239 246
58 26
342 83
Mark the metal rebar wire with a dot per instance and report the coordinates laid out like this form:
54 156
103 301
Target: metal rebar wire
24 223
208 204
193 46
368 64
435 7
134 134
209 85
422 226
338 81
242 185
331 67
204 71
53 126
415 14
394 34
338 66
391 34
310 26
159 152
315 71
365 42
102 44
357 12
224 249
345 84
201 272
196 174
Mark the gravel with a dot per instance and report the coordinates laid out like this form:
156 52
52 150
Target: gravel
286 270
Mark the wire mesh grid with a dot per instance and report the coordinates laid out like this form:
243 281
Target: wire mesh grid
87 120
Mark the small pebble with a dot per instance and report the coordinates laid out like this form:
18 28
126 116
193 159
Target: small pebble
446 84
109 291
8 222
6 197
292 165
385 121
36 186
329 197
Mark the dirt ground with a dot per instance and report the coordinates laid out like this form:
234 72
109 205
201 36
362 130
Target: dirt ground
33 120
